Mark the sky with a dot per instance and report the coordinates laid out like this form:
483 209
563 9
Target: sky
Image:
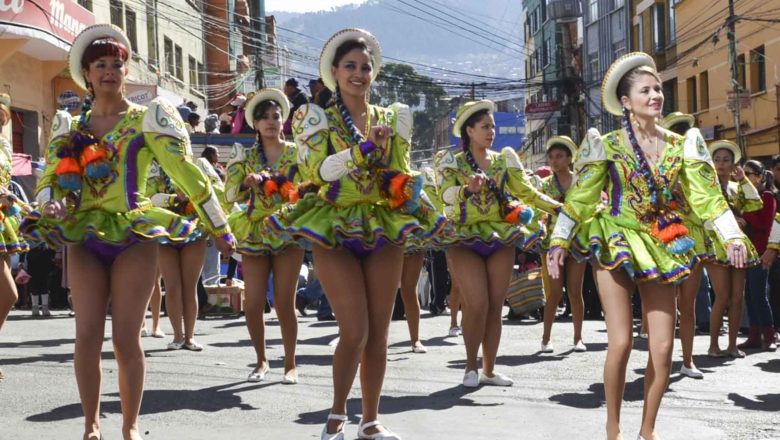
306 5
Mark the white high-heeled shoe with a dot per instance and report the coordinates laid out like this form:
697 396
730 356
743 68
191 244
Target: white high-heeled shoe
325 435
382 435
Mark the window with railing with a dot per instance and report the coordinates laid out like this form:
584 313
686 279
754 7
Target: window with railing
758 69
690 84
704 90
130 30
659 33
179 62
87 4
115 12
153 53
170 63
193 64
671 15
593 10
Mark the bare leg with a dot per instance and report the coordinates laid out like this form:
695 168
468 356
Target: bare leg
256 272
575 273
615 290
286 267
156 305
382 271
737 293
454 300
170 267
720 279
89 287
192 258
8 294
659 302
412 266
132 278
471 271
341 275
553 293
688 291
499 273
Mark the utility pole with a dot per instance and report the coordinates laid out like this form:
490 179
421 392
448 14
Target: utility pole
473 92
260 41
732 24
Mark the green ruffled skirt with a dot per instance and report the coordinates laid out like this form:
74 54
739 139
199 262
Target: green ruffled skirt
114 228
254 238
367 225
719 248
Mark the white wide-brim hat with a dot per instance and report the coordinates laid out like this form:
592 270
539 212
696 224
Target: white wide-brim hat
339 38
84 39
274 95
563 141
675 118
466 110
727 145
616 72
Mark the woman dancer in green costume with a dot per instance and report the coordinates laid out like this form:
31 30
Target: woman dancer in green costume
728 282
91 198
484 192
366 209
639 239
262 178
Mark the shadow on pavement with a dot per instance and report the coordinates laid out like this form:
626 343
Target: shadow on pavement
770 366
244 343
595 397
438 401
45 343
764 402
438 341
319 340
211 399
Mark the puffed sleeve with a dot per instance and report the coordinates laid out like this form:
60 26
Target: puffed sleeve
235 191
401 121
168 140
583 197
748 199
48 189
702 190
451 192
521 187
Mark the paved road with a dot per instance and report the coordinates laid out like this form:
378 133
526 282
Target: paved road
203 395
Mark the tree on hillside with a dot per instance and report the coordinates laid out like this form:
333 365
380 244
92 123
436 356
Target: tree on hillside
401 83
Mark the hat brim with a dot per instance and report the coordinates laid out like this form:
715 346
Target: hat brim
84 39
616 72
339 38
275 95
463 117
562 141
678 118
727 145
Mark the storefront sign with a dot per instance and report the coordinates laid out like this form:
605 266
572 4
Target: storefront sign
63 19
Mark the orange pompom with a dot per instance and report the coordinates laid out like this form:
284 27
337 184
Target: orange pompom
92 153
270 187
670 232
287 189
396 190
68 165
514 215
294 196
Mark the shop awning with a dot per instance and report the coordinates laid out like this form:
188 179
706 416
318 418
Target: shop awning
49 27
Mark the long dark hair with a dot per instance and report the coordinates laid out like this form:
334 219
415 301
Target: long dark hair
767 178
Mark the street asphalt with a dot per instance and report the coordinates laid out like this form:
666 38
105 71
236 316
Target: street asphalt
204 396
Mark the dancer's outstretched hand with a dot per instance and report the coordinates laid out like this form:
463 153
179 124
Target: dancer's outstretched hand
737 254
555 259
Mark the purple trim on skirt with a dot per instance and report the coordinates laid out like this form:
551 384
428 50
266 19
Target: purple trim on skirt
131 172
359 248
483 249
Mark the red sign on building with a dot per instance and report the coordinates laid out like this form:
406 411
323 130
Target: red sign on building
62 19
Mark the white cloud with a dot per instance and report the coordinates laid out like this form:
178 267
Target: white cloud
306 5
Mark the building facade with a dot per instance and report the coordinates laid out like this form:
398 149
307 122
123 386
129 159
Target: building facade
553 41
703 72
606 39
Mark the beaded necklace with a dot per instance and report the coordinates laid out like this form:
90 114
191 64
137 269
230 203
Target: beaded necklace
558 186
357 137
667 226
